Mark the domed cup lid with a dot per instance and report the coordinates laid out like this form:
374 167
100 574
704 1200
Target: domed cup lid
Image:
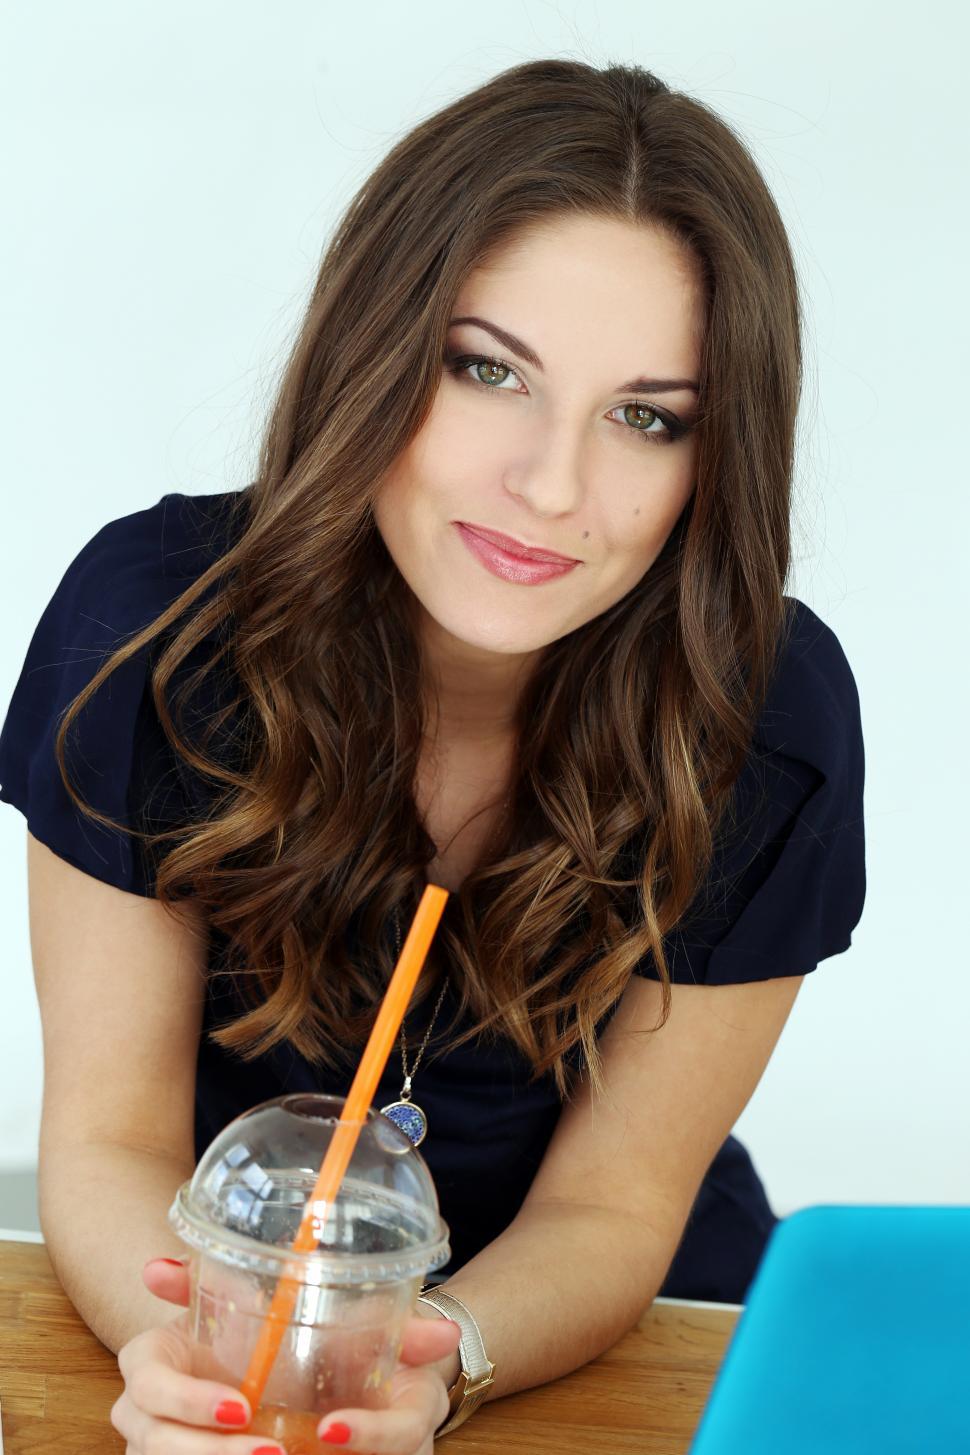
247 1196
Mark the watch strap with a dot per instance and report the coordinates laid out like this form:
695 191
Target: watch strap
477 1370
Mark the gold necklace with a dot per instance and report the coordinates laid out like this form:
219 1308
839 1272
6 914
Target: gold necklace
404 1112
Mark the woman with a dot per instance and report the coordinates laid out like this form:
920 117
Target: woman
563 311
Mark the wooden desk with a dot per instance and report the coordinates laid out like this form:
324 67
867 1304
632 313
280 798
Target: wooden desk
58 1382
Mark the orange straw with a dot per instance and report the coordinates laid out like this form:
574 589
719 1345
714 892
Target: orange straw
392 1012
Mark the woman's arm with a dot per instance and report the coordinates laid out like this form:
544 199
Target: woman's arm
557 1287
606 1211
103 1210
120 986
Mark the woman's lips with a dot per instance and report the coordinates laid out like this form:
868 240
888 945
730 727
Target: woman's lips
512 547
517 569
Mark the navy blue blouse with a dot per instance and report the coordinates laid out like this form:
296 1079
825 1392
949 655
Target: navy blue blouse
785 890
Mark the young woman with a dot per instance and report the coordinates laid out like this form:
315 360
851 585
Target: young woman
503 610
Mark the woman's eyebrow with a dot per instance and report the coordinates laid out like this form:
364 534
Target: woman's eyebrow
509 341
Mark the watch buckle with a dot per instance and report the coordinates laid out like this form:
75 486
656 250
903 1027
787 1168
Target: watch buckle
482 1383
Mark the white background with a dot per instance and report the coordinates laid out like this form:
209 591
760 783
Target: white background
176 173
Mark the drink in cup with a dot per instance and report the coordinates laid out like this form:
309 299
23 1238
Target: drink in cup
376 1242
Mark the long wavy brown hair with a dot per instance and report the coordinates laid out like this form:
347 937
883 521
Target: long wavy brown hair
638 722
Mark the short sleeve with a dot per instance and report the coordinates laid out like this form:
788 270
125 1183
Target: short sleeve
787 882
118 756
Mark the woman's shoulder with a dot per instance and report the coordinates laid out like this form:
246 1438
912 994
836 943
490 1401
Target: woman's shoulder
122 578
136 563
811 709
787 882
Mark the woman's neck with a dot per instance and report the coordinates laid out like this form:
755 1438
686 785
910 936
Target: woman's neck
472 694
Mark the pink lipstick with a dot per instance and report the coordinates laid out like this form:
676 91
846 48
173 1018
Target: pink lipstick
522 570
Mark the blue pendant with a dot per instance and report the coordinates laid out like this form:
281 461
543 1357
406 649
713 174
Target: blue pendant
410 1118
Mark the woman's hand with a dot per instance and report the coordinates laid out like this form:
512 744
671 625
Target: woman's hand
175 1399
419 1396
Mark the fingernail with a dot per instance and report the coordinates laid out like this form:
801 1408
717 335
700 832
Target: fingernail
175 1262
337 1434
231 1412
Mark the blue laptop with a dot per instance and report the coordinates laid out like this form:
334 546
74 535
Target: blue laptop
854 1340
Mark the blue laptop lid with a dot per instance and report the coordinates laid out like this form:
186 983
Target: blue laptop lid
855 1337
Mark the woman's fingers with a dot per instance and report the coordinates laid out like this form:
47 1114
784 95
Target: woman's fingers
167 1278
166 1407
426 1340
155 1367
419 1404
144 1433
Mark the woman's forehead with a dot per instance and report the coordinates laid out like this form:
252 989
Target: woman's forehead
629 297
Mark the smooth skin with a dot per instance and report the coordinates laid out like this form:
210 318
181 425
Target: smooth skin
561 456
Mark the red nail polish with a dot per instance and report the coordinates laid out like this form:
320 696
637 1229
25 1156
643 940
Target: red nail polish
175 1262
337 1433
231 1412
268 1450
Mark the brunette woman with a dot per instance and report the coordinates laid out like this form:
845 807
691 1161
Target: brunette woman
504 609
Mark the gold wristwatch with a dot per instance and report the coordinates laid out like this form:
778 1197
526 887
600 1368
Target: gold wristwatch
477 1371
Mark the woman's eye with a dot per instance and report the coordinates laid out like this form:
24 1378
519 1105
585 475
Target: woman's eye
644 416
478 362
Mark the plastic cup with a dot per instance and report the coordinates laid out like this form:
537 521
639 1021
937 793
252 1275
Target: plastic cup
239 1214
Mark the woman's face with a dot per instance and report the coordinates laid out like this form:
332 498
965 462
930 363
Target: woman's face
560 440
